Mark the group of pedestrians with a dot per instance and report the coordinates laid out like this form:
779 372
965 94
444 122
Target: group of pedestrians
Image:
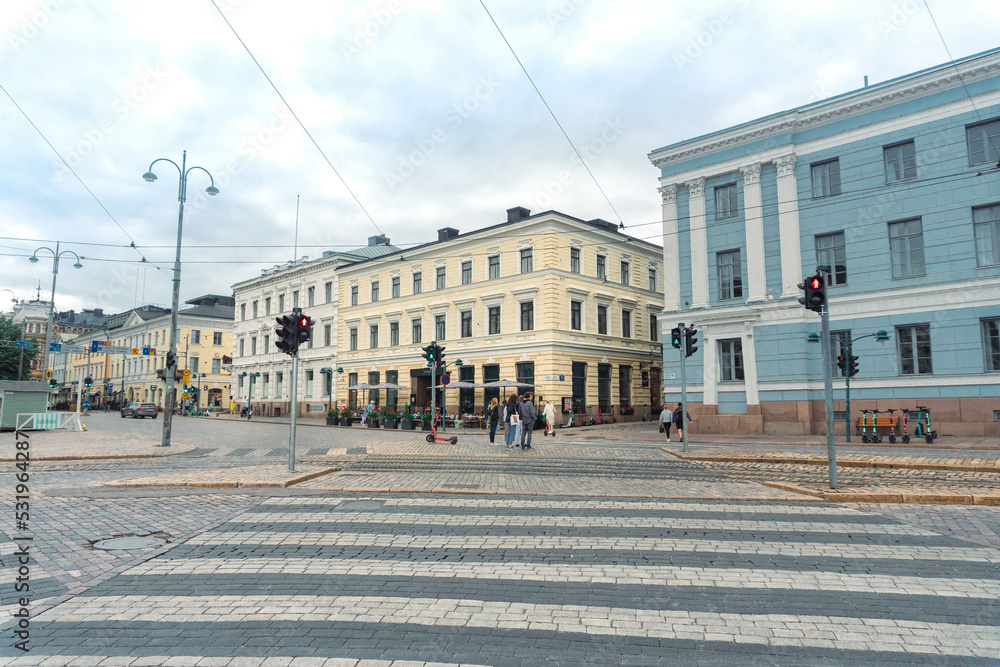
519 416
676 418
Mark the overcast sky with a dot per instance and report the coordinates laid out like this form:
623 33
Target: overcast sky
418 104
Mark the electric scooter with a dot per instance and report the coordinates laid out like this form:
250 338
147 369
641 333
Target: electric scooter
875 437
902 426
923 428
892 425
434 434
865 437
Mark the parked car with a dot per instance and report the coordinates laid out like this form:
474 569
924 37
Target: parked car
138 410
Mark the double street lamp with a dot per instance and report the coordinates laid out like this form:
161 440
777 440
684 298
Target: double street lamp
848 346
56 254
250 389
183 170
332 384
20 358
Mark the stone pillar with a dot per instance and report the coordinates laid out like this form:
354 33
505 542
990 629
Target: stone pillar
699 244
754 217
788 227
671 250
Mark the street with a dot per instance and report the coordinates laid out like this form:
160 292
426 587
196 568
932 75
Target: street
613 553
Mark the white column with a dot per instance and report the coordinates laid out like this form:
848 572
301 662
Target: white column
710 368
699 244
788 227
750 366
754 216
671 250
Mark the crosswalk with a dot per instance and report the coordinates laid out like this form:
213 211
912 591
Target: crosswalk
470 580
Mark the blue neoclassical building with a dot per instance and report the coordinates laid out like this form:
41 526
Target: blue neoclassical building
896 187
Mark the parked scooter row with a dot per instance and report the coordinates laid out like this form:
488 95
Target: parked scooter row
871 427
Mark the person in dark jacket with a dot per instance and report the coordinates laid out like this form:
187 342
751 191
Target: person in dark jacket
509 411
526 412
494 417
678 419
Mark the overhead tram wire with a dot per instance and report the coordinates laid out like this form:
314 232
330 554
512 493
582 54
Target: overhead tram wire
552 113
76 175
298 120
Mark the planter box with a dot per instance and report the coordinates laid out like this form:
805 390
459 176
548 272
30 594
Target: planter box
391 423
332 421
372 423
407 424
345 421
425 426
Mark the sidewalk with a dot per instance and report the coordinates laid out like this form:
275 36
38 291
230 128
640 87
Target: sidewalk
86 445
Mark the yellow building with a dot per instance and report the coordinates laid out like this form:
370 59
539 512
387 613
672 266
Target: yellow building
564 304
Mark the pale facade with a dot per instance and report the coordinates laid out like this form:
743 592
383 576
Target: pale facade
565 304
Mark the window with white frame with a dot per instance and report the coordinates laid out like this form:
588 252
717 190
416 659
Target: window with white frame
731 360
418 282
494 319
352 338
465 317
216 366
253 345
574 260
652 280
626 272
991 344
327 331
900 162
254 310
373 336
311 297
725 201
328 292
494 264
576 315
216 338
906 247
195 337
440 277
527 260
281 303
466 272
730 273
395 287
374 286
416 331
309 383
986 224
626 323
354 295
440 327
242 341
602 267
295 299
267 343
826 178
602 320
983 142
914 346
654 330
527 315
243 312
393 334
267 305
830 251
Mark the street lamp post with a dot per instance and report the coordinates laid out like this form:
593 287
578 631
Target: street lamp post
330 372
183 170
52 302
444 412
881 336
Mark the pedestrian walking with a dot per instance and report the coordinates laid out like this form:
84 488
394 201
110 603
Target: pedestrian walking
232 407
494 417
678 419
666 418
510 421
526 412
550 419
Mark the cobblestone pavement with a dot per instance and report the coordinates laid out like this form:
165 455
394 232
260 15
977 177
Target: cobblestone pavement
343 579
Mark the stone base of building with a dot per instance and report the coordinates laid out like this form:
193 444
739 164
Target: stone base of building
963 417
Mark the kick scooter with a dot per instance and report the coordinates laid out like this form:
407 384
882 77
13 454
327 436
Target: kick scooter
434 434
923 428
892 425
865 437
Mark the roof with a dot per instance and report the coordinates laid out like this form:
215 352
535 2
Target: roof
354 255
371 251
215 311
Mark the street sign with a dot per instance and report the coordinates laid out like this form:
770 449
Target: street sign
187 376
149 351
445 379
23 343
135 350
553 378
48 373
67 347
185 395
111 387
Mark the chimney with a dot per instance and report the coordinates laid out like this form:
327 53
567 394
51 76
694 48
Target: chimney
446 233
98 311
378 240
517 213
604 223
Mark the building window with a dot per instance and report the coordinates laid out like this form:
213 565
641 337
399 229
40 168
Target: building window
195 337
265 377
527 316
193 366
625 386
466 320
730 275
654 330
277 384
267 306
373 378
418 282
527 260
986 221
576 315
626 324
579 385
440 327
602 270
326 335
393 334
906 247
494 317
354 295
281 303
395 287
352 394
731 360
267 343
826 178
494 262
830 251
984 142
991 344
725 201
914 344
352 338
311 297
242 341
466 273
216 338
295 299
254 310
626 273
467 397
602 320
309 383
253 345
328 292
838 348
216 366
373 336
604 387
652 280
440 277
392 395
525 372
574 260
374 291
900 162
416 331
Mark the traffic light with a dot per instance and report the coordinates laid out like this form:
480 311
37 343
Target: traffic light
171 360
815 293
285 334
88 381
853 366
842 364
303 330
675 337
52 382
430 353
690 341
440 354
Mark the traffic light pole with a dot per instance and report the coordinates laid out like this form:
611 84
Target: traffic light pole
847 389
433 391
831 441
683 350
294 413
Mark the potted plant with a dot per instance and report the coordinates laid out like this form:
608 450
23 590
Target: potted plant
425 421
374 417
627 410
391 419
407 420
345 417
331 418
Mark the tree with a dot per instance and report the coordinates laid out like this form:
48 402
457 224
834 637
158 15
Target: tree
9 355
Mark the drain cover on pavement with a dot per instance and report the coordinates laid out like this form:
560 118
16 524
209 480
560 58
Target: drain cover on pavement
359 505
128 543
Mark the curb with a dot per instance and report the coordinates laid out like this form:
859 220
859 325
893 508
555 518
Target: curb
227 484
843 462
890 496
97 457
